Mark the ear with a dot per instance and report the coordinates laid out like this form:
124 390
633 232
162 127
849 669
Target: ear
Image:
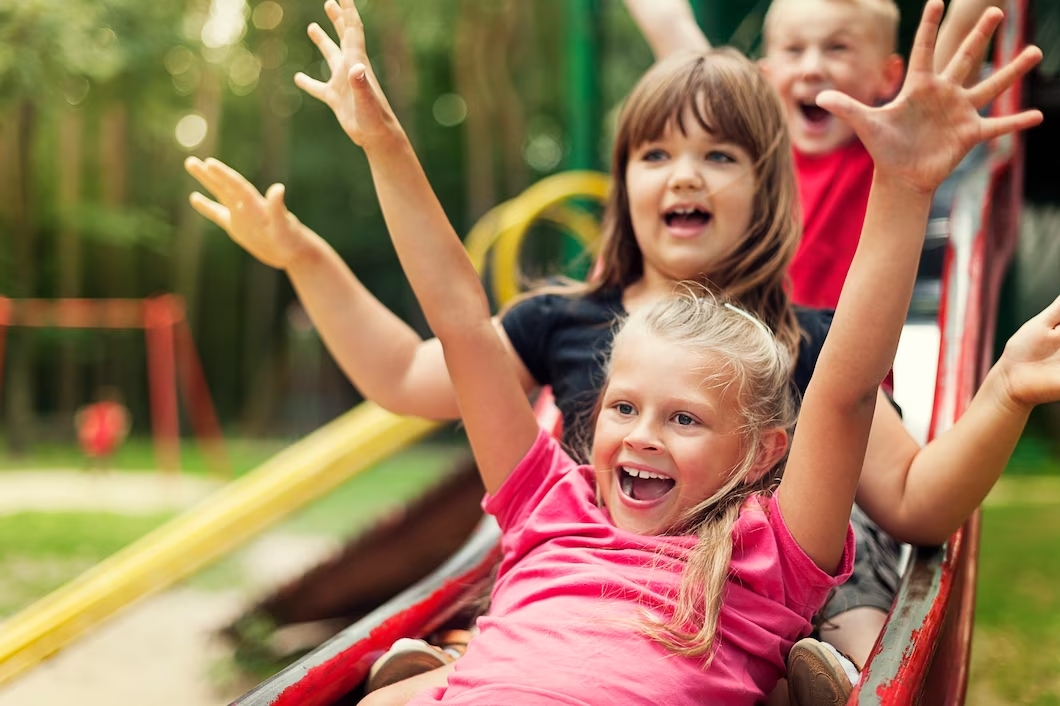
771 448
763 65
893 73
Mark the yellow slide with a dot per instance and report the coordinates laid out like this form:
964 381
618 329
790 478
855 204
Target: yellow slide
299 474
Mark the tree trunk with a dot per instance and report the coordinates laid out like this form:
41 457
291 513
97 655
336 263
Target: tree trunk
399 66
19 139
260 354
509 107
123 363
472 84
71 129
187 258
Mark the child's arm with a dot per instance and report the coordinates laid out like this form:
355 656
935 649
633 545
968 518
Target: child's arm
499 420
382 355
915 141
668 26
961 16
951 476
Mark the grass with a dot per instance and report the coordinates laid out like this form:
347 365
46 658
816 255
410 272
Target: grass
39 552
137 454
1016 648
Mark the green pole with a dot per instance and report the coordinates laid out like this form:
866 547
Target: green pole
583 87
584 113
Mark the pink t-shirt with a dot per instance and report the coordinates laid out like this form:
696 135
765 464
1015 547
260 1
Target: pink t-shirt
570 586
834 193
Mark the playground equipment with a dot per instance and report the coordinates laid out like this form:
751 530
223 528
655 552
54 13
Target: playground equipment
171 357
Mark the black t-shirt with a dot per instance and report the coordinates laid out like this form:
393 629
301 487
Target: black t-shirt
564 342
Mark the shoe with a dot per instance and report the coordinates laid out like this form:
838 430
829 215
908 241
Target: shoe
817 675
405 658
408 657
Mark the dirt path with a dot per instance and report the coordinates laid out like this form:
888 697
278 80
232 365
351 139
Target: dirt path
162 650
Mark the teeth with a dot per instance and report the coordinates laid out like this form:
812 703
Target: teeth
685 211
636 473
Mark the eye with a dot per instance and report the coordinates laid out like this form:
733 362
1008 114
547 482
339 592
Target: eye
837 47
721 157
685 420
654 154
792 50
623 408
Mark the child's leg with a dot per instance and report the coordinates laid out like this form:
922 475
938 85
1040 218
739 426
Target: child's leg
850 622
853 618
400 693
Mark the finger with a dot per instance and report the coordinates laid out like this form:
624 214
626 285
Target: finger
921 58
277 208
236 188
847 109
195 167
208 178
317 89
211 210
334 13
996 127
968 57
328 49
1051 314
992 86
353 37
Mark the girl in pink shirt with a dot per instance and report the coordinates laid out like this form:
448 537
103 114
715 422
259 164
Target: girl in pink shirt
675 568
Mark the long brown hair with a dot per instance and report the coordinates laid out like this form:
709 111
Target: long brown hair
730 98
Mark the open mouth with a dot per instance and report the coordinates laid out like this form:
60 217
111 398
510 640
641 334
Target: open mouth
814 114
638 484
687 218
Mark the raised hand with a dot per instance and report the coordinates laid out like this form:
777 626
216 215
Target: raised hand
352 92
262 225
1030 364
934 121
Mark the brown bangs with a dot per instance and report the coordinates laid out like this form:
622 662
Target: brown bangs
712 87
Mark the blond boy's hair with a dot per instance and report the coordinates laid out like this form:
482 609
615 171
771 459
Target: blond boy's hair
883 15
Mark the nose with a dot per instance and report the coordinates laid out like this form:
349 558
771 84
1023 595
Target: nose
811 64
643 436
686 174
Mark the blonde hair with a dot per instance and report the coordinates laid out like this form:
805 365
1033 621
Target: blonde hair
729 97
883 16
756 368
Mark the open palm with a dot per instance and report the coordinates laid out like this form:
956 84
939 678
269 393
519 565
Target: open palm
352 91
261 225
923 134
1031 362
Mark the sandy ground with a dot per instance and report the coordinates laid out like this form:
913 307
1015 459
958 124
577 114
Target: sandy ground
162 650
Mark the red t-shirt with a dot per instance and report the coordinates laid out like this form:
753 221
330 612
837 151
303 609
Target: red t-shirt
834 193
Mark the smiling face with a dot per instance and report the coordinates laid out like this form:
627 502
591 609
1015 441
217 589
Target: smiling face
665 439
691 199
814 45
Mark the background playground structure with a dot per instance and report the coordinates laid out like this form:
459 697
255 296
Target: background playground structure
171 359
